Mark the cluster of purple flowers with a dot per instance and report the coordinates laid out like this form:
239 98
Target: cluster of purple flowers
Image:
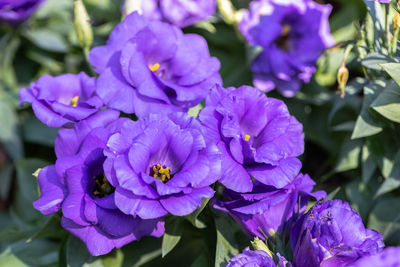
116 178
292 35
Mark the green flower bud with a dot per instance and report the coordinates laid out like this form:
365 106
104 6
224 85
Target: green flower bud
82 25
258 244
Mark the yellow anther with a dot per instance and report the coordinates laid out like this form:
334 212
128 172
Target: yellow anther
285 30
247 137
154 67
74 101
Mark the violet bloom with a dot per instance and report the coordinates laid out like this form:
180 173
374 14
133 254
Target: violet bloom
389 257
257 136
331 233
14 12
62 100
381 1
292 35
267 210
161 164
152 67
77 185
181 13
257 258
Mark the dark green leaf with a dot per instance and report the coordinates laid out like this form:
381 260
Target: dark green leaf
385 218
388 103
374 60
369 164
349 155
366 125
47 40
193 218
8 130
227 246
172 235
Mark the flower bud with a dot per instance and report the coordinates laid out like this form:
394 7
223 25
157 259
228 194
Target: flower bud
342 77
258 244
82 25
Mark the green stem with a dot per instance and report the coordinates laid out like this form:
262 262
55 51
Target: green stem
86 54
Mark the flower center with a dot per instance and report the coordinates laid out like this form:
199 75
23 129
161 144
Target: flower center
247 137
161 173
74 101
283 40
154 67
102 187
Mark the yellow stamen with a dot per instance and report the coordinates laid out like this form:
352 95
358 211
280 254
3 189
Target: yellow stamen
74 101
247 137
154 67
286 30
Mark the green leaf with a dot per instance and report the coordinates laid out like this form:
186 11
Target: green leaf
226 244
366 125
172 235
27 188
51 228
349 155
374 61
393 69
36 132
8 130
48 40
392 182
388 103
7 259
6 175
76 252
369 164
385 218
193 217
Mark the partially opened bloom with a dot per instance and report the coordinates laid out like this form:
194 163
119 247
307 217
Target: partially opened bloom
14 12
257 136
267 210
389 257
62 100
152 67
256 258
331 233
292 35
181 13
161 164
77 185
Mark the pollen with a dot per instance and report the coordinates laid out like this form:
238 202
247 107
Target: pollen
74 101
247 137
154 67
161 173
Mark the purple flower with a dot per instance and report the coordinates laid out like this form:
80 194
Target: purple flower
292 35
331 233
181 13
257 258
161 164
152 67
389 257
62 100
267 210
256 135
382 1
77 185
14 12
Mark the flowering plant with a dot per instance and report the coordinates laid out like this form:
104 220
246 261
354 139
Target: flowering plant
155 136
